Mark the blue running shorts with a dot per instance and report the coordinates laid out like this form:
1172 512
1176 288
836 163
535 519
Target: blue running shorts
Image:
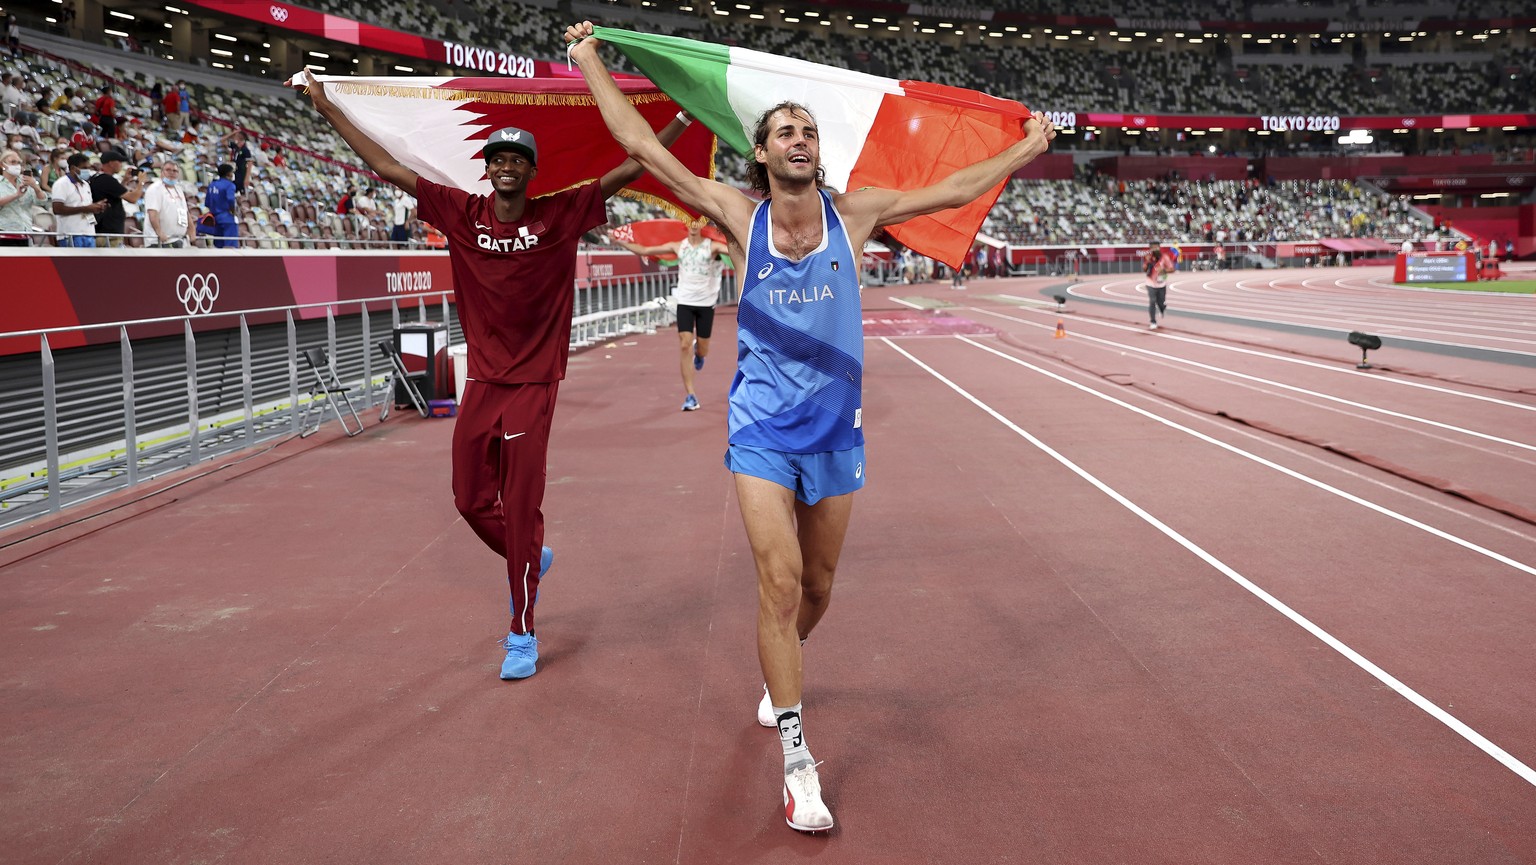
813 477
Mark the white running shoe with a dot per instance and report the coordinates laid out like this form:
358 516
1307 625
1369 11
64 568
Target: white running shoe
765 711
803 808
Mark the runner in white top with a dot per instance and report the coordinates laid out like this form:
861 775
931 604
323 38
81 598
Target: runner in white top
698 287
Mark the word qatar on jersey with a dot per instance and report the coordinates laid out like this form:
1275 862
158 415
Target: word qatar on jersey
506 244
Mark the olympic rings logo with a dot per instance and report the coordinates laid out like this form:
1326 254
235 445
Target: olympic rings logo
197 292
278 13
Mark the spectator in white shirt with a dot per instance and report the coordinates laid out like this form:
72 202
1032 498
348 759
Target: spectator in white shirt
404 212
73 206
165 211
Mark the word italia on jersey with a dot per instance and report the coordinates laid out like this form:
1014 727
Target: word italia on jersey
800 295
524 240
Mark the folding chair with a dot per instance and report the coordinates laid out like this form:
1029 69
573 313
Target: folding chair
328 384
399 379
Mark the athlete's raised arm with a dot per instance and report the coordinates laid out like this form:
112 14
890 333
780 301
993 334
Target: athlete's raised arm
629 129
881 207
377 158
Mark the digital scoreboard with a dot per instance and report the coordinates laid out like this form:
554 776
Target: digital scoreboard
1435 267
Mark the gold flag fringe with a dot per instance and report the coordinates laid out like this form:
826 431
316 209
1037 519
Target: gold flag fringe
489 97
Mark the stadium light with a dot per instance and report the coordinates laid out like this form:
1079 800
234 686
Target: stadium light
114 33
226 37
124 15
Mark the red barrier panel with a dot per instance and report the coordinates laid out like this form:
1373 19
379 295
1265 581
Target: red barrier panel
69 288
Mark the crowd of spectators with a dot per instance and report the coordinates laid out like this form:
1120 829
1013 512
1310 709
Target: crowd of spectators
1170 210
154 178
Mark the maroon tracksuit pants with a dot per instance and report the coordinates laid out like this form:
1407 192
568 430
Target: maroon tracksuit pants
500 445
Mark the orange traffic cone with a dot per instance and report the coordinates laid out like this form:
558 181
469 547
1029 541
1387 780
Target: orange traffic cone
1061 330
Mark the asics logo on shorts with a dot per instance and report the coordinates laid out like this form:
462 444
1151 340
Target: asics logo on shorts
858 471
197 292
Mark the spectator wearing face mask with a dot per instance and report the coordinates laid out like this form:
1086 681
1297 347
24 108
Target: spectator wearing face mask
166 224
73 207
58 166
19 193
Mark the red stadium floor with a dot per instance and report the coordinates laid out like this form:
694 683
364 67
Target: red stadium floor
1201 595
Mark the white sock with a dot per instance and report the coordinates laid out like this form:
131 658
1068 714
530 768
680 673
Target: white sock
792 737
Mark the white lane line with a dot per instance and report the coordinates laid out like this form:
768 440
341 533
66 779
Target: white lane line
1455 724
1384 511
1333 368
1365 319
907 303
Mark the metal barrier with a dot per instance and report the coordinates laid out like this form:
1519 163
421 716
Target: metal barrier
90 443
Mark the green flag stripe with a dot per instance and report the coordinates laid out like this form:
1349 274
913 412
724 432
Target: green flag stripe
693 73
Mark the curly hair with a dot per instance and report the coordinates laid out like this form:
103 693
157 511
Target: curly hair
757 172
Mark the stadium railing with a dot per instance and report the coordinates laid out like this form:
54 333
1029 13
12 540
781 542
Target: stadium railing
95 419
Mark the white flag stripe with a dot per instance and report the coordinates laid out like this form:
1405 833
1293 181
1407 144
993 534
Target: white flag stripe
844 102
413 130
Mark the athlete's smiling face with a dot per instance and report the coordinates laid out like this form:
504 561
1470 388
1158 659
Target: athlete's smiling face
793 149
509 172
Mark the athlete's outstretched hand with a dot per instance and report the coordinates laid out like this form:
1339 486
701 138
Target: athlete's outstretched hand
1038 123
316 91
578 37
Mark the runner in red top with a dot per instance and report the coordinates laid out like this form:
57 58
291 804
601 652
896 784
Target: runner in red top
514 264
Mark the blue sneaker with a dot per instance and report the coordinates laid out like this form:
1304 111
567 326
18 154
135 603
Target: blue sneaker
522 658
698 362
691 403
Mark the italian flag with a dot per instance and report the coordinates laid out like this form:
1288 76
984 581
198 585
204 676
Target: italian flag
874 131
